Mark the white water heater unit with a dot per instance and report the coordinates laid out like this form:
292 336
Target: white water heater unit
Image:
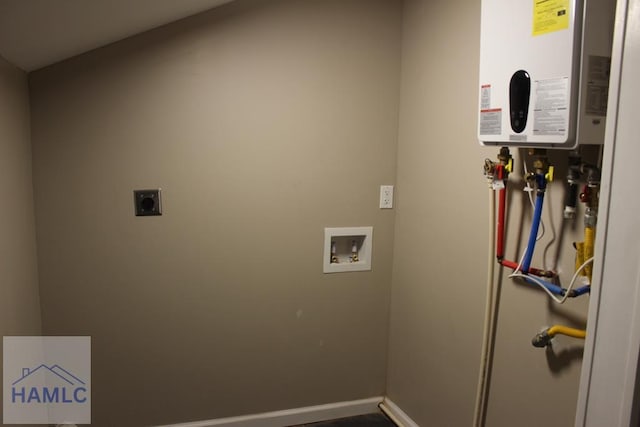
544 72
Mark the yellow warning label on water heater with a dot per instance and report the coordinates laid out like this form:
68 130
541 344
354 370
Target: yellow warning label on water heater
550 16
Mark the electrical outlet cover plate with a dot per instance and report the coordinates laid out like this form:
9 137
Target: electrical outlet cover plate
147 202
386 196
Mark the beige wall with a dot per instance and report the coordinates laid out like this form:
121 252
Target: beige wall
440 251
19 301
263 123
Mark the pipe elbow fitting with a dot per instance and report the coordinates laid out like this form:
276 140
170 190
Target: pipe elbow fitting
541 340
548 274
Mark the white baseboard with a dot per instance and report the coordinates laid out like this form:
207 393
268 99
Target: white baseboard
396 414
309 414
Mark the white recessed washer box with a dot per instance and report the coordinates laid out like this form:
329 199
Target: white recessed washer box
347 249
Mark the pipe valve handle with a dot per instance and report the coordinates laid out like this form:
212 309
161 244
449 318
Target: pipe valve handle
549 175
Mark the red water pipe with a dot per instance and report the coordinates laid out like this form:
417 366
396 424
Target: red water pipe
535 271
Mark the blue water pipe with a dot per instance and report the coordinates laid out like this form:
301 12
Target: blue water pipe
551 287
581 291
535 224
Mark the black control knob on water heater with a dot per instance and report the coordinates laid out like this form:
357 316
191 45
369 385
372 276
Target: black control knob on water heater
519 95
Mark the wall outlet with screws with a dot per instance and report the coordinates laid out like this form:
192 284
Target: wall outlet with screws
386 196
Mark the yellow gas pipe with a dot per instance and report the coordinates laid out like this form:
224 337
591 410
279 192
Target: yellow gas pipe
543 339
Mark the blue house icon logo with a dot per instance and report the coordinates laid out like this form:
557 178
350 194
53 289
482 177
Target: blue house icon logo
48 384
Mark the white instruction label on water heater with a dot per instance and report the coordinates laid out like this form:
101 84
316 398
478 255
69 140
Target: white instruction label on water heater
485 97
551 110
597 85
491 121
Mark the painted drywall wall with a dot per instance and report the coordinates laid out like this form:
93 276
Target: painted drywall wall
441 244
19 301
262 123
20 306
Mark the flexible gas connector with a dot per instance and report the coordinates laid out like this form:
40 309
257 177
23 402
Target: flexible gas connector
589 239
543 339
589 197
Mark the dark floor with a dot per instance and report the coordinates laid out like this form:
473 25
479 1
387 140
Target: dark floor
370 420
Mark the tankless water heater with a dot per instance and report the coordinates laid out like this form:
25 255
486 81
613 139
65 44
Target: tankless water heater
544 72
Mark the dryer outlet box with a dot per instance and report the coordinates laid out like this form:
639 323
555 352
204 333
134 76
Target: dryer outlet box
147 202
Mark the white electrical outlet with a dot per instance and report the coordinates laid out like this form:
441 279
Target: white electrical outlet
386 196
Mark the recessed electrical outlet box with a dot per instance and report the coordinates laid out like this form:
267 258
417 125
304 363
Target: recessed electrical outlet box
347 249
147 202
